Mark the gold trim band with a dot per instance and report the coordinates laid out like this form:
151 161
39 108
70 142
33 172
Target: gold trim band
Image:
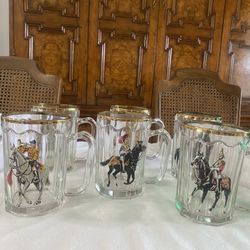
199 116
68 107
192 126
129 109
126 117
12 118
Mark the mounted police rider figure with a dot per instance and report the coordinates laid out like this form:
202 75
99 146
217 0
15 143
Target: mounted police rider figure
217 169
33 154
124 149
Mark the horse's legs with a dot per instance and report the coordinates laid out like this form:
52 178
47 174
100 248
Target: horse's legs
40 189
217 196
132 173
109 173
226 193
194 191
128 177
133 176
19 193
25 187
117 170
204 194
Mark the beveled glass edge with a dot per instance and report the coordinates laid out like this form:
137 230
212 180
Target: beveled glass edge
108 115
190 125
198 116
62 118
129 109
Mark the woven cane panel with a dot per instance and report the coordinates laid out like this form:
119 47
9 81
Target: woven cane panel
19 91
198 96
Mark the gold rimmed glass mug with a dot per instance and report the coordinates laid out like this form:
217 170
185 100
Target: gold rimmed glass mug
35 161
180 117
209 171
72 161
155 147
122 140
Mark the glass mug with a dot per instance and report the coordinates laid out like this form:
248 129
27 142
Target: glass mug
34 184
209 171
74 164
180 117
155 149
122 139
243 197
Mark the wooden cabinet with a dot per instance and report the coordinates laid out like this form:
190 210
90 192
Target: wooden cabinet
112 51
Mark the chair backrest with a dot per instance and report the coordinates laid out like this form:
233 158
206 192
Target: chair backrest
196 90
22 85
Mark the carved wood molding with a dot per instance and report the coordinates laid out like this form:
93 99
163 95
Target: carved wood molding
241 45
195 42
56 30
103 43
189 19
38 7
104 5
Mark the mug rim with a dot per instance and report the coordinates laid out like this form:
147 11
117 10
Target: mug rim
68 107
112 116
191 125
198 116
129 109
60 118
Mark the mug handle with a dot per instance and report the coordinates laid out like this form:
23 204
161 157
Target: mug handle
161 126
90 121
165 150
88 166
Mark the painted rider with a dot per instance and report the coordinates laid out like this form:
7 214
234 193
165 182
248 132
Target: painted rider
217 169
33 154
124 149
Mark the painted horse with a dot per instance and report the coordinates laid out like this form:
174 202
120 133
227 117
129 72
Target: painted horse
205 180
130 161
22 169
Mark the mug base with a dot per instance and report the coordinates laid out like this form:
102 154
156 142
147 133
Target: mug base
118 194
203 219
27 210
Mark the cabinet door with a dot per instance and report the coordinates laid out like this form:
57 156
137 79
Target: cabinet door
189 35
235 51
55 34
122 43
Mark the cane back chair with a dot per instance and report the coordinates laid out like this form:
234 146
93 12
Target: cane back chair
22 84
196 90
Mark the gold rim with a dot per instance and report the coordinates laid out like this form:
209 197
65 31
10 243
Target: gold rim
10 118
129 109
199 116
68 107
192 126
108 115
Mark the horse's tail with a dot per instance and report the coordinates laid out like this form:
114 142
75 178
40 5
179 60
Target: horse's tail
104 163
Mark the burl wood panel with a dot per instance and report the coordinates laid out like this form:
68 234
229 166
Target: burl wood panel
54 50
239 47
198 13
65 7
136 10
189 36
121 60
186 53
121 48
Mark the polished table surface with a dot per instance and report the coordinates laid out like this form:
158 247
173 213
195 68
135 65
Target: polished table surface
91 221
